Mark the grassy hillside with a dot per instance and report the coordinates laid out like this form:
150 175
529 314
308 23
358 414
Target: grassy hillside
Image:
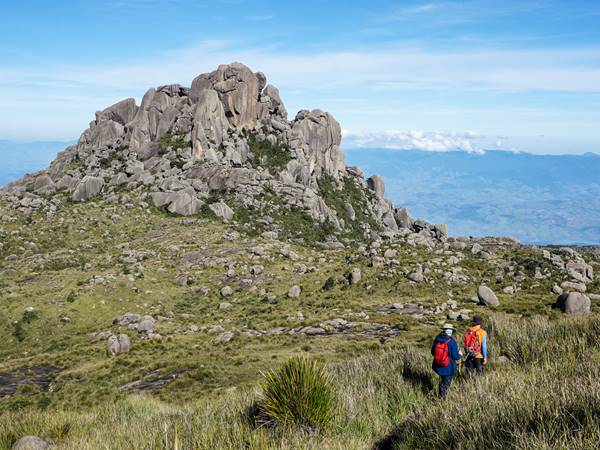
384 400
66 278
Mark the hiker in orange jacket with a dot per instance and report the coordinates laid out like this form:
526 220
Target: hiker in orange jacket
475 345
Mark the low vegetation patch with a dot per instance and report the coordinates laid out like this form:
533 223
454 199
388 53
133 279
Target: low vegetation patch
293 222
546 398
84 268
172 141
299 224
340 197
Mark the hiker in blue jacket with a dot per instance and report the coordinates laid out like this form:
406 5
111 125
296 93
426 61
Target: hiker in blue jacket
445 355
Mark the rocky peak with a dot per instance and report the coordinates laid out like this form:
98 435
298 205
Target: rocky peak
227 135
239 91
231 98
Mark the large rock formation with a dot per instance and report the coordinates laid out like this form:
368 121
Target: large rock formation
238 90
318 136
228 133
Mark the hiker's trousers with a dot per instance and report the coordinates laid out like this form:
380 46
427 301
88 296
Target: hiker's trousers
445 382
474 365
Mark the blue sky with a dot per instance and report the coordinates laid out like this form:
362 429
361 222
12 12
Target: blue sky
434 75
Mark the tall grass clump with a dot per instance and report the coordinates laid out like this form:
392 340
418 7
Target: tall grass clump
300 393
538 341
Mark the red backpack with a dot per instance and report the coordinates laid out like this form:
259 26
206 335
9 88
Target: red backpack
472 343
441 355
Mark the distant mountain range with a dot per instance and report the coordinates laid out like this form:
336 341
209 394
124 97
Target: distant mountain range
545 199
19 158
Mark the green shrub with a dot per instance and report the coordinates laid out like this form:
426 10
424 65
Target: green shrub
294 222
299 224
105 163
71 297
273 157
179 163
29 315
329 284
19 331
114 155
299 394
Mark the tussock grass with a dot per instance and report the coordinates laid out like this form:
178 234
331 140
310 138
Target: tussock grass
300 393
538 341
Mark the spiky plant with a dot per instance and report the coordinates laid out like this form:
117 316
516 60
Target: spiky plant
300 394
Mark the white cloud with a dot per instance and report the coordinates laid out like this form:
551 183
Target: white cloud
400 68
307 79
469 141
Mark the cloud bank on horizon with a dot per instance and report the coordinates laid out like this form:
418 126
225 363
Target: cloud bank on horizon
470 141
524 74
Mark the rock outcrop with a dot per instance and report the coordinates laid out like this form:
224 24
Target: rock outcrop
377 185
228 133
87 188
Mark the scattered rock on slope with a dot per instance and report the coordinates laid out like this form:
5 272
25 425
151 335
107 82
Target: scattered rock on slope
294 292
574 303
146 325
226 291
31 443
116 345
581 287
355 276
44 185
417 276
221 210
224 337
557 289
87 188
487 297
